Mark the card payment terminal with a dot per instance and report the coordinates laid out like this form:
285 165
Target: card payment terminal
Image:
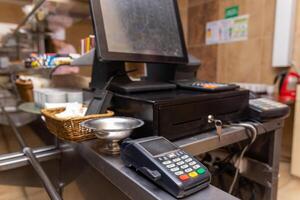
263 109
166 165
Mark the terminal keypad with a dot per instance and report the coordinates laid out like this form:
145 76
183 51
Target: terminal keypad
183 166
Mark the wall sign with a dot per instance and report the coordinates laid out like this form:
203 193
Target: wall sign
232 12
227 30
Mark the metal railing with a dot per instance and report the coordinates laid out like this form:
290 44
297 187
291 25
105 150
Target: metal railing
30 14
30 155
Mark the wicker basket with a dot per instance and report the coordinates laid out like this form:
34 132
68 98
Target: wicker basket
69 129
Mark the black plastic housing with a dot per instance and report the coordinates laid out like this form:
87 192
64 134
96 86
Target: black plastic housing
179 113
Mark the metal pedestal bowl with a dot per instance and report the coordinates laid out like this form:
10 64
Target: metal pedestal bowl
111 130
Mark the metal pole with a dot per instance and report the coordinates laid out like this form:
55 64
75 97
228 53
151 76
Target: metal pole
13 127
36 7
53 194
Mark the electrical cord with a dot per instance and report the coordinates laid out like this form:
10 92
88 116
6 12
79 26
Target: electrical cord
250 127
253 130
262 125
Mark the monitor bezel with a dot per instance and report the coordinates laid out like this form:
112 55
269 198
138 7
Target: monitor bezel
104 54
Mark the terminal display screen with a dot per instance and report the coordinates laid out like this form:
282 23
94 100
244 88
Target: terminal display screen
145 30
159 146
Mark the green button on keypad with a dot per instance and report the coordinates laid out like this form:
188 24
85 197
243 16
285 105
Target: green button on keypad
201 171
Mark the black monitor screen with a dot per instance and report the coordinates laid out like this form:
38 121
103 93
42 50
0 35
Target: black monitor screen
159 146
140 30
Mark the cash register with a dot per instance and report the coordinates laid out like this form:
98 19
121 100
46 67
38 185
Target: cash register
151 32
171 105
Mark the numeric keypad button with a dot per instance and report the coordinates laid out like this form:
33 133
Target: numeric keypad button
180 163
166 162
192 163
196 166
184 166
178 173
176 160
188 170
171 155
184 157
175 169
171 166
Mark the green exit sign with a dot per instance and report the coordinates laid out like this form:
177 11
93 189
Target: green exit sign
231 12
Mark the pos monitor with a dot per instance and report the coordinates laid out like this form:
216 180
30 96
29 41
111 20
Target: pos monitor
147 31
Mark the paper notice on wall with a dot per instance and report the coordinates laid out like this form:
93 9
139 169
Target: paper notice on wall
212 33
227 30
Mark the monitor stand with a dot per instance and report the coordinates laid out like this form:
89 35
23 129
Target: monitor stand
108 77
158 78
102 74
140 86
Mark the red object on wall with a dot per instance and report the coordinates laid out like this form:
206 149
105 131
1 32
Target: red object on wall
288 86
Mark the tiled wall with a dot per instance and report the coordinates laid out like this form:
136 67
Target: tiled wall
247 61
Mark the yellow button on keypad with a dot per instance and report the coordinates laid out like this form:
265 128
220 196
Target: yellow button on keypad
193 174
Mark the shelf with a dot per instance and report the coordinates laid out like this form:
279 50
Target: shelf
9 71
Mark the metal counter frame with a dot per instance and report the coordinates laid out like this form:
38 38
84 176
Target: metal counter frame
134 186
266 171
137 187
31 157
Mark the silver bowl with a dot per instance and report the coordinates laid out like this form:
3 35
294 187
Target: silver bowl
112 130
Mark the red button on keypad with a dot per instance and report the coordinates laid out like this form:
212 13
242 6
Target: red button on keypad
184 177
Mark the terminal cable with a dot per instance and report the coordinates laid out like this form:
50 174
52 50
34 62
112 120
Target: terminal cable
249 128
254 132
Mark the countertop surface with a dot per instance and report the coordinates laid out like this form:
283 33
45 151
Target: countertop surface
134 185
137 187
